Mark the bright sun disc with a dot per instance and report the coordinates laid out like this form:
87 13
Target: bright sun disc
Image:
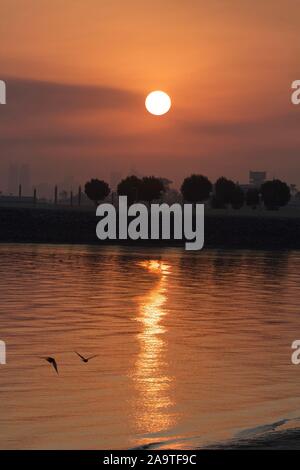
158 103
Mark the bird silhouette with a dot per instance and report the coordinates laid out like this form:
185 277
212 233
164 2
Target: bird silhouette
85 359
51 361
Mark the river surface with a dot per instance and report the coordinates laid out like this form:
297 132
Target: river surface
193 349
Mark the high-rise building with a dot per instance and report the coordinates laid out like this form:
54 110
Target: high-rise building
115 178
19 175
13 179
257 178
25 179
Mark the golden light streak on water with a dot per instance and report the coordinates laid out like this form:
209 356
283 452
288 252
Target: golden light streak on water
150 375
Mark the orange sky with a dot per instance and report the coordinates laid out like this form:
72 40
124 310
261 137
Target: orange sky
78 72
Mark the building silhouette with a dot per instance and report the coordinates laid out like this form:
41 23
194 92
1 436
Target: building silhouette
25 179
13 179
257 178
19 175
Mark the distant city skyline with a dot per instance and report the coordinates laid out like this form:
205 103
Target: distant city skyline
27 175
81 112
21 174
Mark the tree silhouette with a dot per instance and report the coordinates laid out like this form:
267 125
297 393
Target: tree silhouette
252 197
238 197
275 194
224 191
96 190
130 187
196 188
215 203
151 188
166 183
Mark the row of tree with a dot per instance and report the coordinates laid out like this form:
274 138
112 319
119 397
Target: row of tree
195 188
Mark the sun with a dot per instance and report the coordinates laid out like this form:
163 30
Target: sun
158 103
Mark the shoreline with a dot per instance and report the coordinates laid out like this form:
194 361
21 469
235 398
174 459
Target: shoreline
277 440
60 226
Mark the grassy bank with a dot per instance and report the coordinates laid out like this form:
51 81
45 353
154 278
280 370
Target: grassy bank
33 225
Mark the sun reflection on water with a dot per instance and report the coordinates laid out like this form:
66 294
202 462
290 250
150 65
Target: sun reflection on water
151 369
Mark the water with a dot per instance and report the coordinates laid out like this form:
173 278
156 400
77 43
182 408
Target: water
193 349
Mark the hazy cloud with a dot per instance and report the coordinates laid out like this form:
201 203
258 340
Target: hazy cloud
35 98
280 122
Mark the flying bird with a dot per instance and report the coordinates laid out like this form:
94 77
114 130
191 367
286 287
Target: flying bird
51 361
85 359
